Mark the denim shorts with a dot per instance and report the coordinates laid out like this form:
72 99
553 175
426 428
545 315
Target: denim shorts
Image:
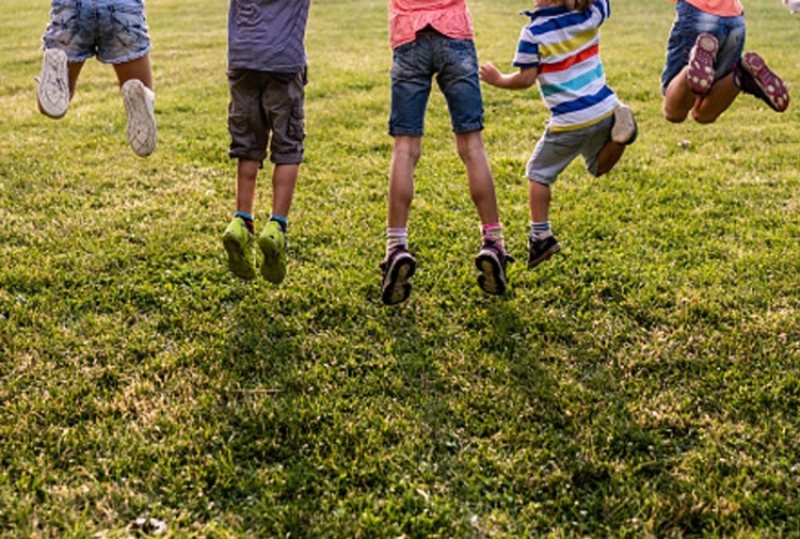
689 23
267 109
557 149
113 30
454 62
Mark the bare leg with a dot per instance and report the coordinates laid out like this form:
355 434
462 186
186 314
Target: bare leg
722 94
284 181
539 201
678 99
74 69
481 184
136 69
608 156
405 156
246 178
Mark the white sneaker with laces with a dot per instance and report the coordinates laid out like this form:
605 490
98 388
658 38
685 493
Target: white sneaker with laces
140 106
624 130
53 91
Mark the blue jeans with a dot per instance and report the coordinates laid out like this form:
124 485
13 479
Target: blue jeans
454 62
113 30
691 22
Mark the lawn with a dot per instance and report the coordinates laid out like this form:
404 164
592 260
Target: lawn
645 382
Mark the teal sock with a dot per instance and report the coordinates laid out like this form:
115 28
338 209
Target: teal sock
248 220
281 221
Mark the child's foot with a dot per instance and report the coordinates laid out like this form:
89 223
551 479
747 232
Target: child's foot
624 130
397 268
491 263
752 76
139 104
541 248
272 243
53 91
701 64
238 242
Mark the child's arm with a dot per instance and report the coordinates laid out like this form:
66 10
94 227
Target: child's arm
524 78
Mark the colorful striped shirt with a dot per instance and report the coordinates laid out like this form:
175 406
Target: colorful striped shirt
564 45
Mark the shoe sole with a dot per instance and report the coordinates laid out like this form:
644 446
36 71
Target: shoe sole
624 130
237 262
271 268
701 64
53 91
544 256
142 132
396 288
491 278
777 96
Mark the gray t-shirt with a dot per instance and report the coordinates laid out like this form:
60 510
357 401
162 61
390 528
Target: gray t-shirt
267 35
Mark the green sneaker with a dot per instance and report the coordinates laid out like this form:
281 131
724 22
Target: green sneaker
238 241
272 243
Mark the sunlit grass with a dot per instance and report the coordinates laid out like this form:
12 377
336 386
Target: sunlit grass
642 383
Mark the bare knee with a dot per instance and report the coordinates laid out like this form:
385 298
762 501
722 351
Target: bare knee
701 118
675 117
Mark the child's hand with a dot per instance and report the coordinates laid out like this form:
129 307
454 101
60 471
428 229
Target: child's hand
490 74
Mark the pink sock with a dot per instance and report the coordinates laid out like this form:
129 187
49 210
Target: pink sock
493 232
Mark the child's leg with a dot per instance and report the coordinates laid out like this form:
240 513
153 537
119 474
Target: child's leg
138 69
284 181
709 107
623 133
272 241
608 156
246 179
539 201
136 80
238 238
74 69
479 175
678 98
405 155
399 266
541 242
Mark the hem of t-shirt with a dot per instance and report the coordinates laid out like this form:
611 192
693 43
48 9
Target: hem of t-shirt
575 127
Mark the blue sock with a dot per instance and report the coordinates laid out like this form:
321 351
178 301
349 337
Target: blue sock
247 218
540 229
281 221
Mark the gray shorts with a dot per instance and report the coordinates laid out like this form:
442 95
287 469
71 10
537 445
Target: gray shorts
113 30
557 149
267 109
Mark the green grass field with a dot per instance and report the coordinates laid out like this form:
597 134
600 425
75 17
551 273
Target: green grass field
645 382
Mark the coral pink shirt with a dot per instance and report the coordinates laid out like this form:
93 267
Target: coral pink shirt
720 8
407 17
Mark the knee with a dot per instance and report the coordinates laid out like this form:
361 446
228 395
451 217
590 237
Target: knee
700 118
674 117
407 148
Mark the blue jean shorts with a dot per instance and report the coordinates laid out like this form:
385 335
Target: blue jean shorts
454 62
113 30
691 22
557 149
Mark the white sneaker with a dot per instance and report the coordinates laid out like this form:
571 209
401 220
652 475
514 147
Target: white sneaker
792 5
624 130
140 104
53 91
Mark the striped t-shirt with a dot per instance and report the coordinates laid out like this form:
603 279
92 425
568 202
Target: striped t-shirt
564 45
